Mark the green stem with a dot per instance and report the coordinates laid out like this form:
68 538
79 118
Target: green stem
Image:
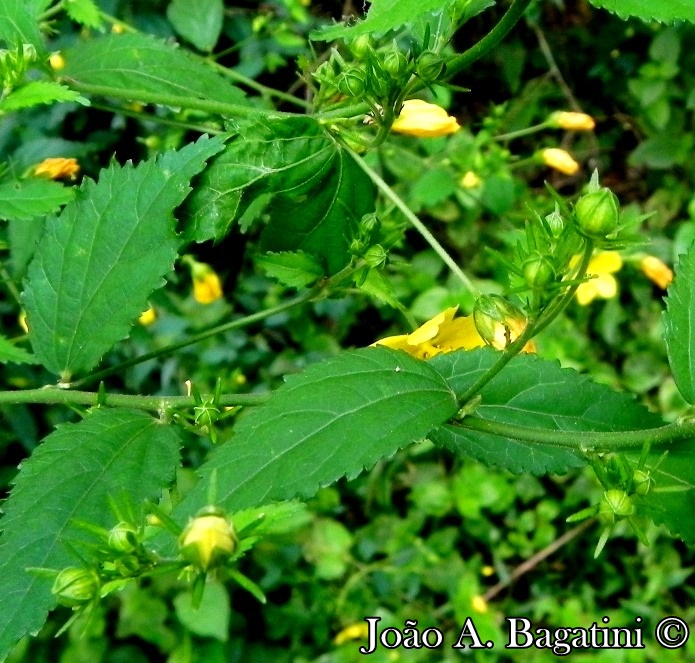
55 395
206 105
488 43
51 12
522 132
533 328
201 336
585 440
417 224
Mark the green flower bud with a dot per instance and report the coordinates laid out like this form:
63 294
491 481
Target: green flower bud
597 213
615 504
208 540
75 586
395 64
361 45
123 538
376 256
351 83
642 482
430 66
497 320
539 272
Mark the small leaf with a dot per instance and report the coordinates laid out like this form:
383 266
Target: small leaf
104 255
35 93
71 476
19 24
664 11
134 62
679 325
9 352
295 269
27 199
336 419
533 393
211 618
84 12
201 27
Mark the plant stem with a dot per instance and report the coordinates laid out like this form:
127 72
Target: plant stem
417 224
56 395
206 105
201 336
522 132
585 440
487 43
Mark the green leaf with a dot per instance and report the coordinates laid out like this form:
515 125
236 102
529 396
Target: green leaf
671 499
384 16
679 325
318 193
71 476
9 352
26 199
336 419
292 268
99 261
35 93
201 27
211 618
664 11
84 12
134 62
19 24
534 393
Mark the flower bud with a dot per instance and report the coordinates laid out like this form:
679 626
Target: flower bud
572 121
560 160
361 45
597 213
147 317
429 66
123 538
208 540
207 286
376 256
58 168
395 64
351 83
615 503
642 482
539 272
74 586
420 118
56 61
656 271
498 321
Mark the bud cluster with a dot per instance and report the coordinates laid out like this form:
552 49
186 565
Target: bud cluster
14 64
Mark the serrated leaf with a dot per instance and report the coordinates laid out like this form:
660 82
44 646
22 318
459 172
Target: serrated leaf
211 618
679 325
19 24
382 17
26 199
318 193
99 261
664 11
84 12
292 268
71 475
35 93
336 419
135 62
671 499
9 352
534 393
201 27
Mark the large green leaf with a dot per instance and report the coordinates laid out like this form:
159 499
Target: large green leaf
201 27
19 24
665 11
97 263
336 419
533 393
9 352
671 499
71 476
318 193
26 199
134 62
679 325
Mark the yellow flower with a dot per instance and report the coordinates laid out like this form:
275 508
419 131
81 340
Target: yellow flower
444 333
22 321
207 286
353 632
117 29
560 160
420 118
56 62
602 266
147 317
572 121
208 540
57 168
488 571
470 180
479 604
656 271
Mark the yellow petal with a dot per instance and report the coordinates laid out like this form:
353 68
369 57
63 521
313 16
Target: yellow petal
560 160
606 286
586 293
420 118
656 271
395 342
573 121
459 334
606 262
